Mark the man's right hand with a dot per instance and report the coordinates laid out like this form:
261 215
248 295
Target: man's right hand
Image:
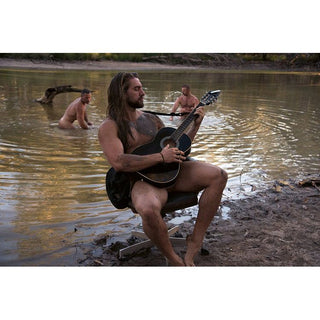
172 154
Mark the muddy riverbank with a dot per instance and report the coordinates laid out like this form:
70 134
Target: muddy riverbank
155 64
279 226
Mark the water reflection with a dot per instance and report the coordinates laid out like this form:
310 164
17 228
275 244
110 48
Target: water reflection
263 127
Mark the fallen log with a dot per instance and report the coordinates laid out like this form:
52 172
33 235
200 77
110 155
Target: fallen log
50 93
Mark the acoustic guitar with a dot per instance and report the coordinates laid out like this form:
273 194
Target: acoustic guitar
164 174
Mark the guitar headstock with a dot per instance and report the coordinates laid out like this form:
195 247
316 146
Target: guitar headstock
209 97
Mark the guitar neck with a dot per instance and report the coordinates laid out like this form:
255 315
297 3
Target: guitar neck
184 125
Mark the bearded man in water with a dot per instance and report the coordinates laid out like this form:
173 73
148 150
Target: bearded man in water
77 111
186 101
127 127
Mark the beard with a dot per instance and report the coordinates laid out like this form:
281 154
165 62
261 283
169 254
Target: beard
135 104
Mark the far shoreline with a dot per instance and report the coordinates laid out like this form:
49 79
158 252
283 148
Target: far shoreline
109 65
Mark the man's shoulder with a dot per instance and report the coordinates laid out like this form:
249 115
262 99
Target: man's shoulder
108 124
107 129
194 99
179 98
78 104
154 118
148 115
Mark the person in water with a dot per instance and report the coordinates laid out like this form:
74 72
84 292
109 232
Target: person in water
77 111
186 101
125 128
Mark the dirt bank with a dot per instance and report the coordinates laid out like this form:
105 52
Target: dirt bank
276 227
188 64
84 65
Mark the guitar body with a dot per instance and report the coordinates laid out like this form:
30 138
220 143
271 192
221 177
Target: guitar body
164 174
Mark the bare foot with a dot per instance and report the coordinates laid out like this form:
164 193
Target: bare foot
192 250
178 262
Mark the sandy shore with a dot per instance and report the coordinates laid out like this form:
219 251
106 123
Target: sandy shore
85 65
6 63
276 227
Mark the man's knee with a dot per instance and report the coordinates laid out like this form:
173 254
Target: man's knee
224 176
148 201
219 176
148 210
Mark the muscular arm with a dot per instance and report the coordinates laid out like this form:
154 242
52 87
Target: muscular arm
175 107
86 118
81 116
114 152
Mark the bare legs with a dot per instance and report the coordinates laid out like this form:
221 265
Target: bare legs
148 201
208 206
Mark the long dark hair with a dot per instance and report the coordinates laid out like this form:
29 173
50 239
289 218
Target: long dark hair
117 103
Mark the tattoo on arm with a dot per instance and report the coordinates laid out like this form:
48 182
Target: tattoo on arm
129 159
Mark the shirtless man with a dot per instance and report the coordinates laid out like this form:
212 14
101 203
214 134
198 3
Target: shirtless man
186 101
127 127
77 111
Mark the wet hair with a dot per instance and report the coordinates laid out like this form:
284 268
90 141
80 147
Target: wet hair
116 111
185 86
85 91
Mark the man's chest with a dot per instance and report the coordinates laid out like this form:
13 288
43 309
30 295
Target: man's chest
187 101
143 131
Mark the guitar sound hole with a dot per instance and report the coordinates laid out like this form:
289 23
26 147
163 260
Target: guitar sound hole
168 141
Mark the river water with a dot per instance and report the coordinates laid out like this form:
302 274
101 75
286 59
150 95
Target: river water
264 126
